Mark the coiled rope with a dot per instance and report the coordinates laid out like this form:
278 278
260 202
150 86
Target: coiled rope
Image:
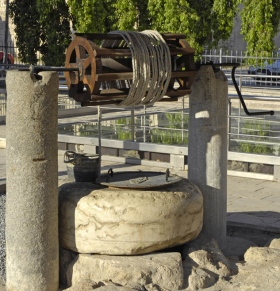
151 64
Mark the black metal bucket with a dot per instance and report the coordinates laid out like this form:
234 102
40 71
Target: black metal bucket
81 167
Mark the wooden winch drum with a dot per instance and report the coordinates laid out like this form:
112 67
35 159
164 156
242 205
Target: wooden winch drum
104 75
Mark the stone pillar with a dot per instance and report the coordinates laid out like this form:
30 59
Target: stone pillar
32 182
207 152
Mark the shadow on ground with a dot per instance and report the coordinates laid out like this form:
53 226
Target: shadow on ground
257 226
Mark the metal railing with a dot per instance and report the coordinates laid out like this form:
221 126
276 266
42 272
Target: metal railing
249 63
260 134
170 126
14 51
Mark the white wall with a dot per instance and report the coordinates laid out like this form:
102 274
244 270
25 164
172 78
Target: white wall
2 26
236 42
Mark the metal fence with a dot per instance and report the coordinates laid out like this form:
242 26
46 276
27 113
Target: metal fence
259 70
258 78
13 50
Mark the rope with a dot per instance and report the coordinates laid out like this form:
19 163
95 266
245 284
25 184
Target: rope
151 64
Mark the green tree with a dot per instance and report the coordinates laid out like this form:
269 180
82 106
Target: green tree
55 31
260 22
25 17
95 16
132 15
205 23
41 25
102 16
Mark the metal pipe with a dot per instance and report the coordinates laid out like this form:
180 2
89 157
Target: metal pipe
99 113
144 123
132 124
5 60
229 122
182 122
37 69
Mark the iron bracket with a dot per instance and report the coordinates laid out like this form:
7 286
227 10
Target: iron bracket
216 68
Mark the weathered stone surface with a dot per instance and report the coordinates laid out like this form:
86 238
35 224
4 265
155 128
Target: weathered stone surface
203 263
261 254
205 253
259 272
274 243
162 270
153 287
196 278
88 285
85 285
123 222
32 204
115 288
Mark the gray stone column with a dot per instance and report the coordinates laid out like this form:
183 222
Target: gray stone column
207 152
32 182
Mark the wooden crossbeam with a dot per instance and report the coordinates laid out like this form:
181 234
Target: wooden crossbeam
129 75
119 52
93 36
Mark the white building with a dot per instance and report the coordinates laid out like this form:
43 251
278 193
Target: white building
11 34
236 42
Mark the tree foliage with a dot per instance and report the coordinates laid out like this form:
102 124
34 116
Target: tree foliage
96 16
132 15
205 23
55 30
260 22
25 17
41 25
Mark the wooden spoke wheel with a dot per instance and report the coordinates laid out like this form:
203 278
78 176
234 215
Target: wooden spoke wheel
80 54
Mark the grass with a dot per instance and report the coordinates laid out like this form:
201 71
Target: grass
256 128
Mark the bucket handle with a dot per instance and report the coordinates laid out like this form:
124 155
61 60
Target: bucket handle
69 156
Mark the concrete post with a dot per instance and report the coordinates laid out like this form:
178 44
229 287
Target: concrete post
32 182
207 152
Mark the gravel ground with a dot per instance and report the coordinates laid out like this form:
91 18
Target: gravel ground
2 237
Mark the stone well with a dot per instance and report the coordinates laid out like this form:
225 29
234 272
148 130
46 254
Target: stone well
94 219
